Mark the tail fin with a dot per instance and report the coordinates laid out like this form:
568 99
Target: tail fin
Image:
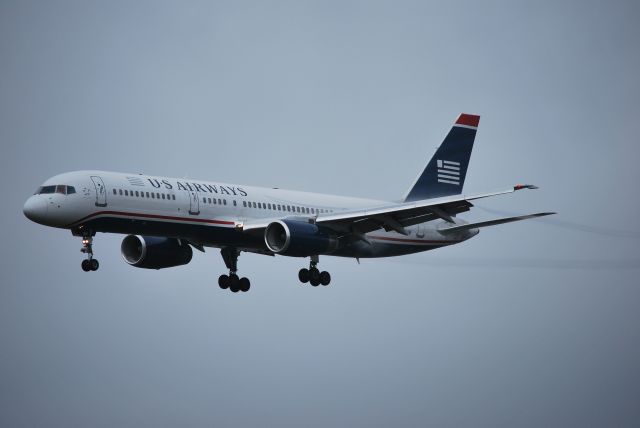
446 171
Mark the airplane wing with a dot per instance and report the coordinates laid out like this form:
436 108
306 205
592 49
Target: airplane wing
397 216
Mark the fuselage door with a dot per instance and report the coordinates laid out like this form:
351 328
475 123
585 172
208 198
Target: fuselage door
101 191
194 203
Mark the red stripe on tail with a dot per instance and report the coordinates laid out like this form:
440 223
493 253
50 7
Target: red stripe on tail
468 120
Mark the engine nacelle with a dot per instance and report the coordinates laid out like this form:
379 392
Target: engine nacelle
152 252
299 238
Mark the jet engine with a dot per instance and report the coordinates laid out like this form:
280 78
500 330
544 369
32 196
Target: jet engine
151 252
299 238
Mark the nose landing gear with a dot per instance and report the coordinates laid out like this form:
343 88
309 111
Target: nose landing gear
88 264
312 275
232 281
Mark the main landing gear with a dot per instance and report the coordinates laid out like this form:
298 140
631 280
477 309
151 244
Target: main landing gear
312 275
88 264
231 281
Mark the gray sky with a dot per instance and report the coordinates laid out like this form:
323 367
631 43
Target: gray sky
530 324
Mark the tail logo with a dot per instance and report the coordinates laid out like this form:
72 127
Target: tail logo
448 172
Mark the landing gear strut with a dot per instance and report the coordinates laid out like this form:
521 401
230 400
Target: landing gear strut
312 275
231 281
88 264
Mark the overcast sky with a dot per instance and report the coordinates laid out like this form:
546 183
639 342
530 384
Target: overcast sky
528 324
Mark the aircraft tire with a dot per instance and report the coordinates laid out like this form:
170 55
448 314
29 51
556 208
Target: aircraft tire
86 265
223 282
303 275
234 283
244 284
314 276
94 264
325 277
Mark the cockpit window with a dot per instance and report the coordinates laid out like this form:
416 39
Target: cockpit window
60 188
45 189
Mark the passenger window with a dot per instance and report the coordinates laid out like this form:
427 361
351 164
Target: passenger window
147 194
204 200
254 205
126 193
259 205
235 203
137 194
173 197
224 201
114 191
120 192
163 196
158 195
219 201
244 204
153 195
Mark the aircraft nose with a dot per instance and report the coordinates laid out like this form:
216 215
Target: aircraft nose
35 209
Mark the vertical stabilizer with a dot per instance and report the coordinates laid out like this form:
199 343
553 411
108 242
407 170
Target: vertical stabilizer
445 173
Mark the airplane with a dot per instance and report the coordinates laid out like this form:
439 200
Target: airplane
164 218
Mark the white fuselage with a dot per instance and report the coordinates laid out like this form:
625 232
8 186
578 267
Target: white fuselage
206 213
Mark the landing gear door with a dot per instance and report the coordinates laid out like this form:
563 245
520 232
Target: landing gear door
194 203
101 191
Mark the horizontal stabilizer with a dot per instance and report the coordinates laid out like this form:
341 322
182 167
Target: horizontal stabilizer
490 223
